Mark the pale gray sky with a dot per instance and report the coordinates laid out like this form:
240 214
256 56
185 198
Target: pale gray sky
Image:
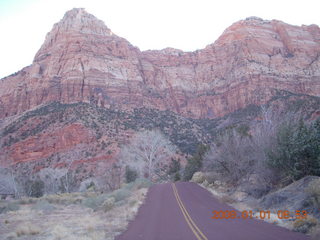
147 24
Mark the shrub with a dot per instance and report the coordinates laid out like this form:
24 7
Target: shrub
108 204
130 174
194 163
142 183
211 177
174 170
298 152
138 184
35 188
304 225
26 200
233 157
95 202
176 177
120 203
11 206
313 191
121 194
27 229
43 205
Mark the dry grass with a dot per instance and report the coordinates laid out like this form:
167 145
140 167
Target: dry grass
119 217
27 229
64 217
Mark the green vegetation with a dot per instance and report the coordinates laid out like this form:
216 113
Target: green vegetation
95 201
130 175
195 162
35 188
118 197
297 151
10 206
43 205
183 132
174 170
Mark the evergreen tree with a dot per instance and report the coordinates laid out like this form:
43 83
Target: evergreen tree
195 162
298 150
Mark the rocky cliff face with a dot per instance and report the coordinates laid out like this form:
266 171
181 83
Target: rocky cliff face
88 91
81 60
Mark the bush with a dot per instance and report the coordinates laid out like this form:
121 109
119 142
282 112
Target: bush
142 183
108 204
304 225
35 188
27 229
174 170
120 194
64 199
211 177
11 206
177 177
130 174
43 205
298 153
138 184
120 203
95 202
194 163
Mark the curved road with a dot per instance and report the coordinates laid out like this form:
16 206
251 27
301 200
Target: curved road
183 211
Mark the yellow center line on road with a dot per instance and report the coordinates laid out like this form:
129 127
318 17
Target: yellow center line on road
194 228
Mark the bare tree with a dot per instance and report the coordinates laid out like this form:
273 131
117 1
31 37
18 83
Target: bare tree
237 157
68 177
232 156
109 176
8 183
148 153
52 178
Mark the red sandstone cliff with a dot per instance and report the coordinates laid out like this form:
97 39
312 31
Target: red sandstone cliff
82 60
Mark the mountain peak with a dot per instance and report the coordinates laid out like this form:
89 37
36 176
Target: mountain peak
75 22
79 20
75 11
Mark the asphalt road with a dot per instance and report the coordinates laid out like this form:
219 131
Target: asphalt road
183 211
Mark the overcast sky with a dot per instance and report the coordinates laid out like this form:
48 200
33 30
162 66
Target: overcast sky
147 24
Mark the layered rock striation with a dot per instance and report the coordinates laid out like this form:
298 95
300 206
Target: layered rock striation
81 60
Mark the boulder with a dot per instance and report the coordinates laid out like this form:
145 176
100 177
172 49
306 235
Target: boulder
292 197
198 177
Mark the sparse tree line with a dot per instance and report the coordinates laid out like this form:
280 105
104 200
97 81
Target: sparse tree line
47 180
149 154
280 148
277 148
57 180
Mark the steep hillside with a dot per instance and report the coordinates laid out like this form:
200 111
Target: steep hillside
56 134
